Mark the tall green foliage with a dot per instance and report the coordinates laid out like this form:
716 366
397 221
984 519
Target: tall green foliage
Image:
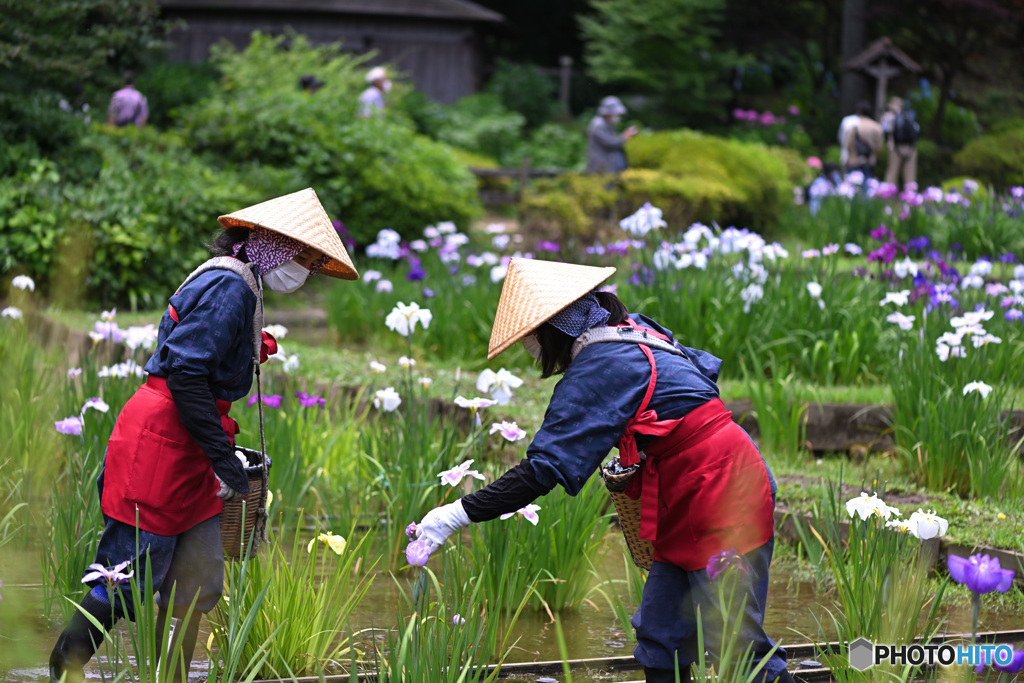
49 49
668 48
370 173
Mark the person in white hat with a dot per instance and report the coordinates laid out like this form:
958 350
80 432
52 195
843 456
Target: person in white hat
170 463
706 495
371 100
605 147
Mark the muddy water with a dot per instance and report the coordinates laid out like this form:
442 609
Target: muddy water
590 631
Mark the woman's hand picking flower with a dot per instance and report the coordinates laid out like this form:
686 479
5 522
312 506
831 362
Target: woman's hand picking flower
440 523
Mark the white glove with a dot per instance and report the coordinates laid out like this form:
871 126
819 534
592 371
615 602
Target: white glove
442 522
226 492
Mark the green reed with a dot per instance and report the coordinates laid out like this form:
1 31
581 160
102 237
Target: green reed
780 409
948 440
457 634
623 595
296 621
559 553
733 663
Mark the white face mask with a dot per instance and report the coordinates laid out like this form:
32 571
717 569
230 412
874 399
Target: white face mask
286 278
532 346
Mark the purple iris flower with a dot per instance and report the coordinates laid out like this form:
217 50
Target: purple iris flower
1013 315
881 233
723 560
416 273
1008 258
548 246
310 401
980 573
271 401
428 293
417 553
1016 664
410 531
918 243
884 254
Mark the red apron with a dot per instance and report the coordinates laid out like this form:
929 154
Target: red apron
703 486
155 474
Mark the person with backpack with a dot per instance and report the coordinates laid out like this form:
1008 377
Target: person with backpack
863 142
901 132
128 106
705 493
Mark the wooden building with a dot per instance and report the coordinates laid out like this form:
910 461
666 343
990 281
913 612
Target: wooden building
435 42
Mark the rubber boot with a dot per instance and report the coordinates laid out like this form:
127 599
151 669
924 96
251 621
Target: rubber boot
187 638
666 675
79 640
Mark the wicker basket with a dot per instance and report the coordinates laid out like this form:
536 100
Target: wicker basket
241 537
628 510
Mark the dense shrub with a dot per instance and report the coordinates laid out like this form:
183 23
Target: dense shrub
522 88
996 159
690 176
131 234
170 86
481 124
370 173
959 125
751 181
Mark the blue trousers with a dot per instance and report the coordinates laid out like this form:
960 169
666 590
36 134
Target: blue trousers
666 623
192 563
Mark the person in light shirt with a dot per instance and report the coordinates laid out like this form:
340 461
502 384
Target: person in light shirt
371 100
128 106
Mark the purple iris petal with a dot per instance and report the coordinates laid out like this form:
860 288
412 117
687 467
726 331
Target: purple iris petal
410 531
723 560
417 553
1016 664
881 233
980 573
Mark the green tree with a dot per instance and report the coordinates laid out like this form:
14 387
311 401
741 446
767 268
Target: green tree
669 49
57 49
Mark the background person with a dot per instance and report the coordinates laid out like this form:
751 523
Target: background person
170 460
128 106
371 100
309 83
901 134
863 142
703 486
605 147
845 126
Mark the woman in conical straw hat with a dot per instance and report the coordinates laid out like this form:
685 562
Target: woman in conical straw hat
170 462
706 495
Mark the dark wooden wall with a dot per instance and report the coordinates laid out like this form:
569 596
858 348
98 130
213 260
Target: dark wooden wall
442 58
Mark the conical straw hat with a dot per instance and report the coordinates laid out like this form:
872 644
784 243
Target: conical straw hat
533 292
300 216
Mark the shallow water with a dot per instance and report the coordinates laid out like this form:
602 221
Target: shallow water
590 631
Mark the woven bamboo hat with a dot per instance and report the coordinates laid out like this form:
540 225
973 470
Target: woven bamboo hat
533 292
300 216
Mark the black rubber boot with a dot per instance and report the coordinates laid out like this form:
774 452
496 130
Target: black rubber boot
666 675
79 640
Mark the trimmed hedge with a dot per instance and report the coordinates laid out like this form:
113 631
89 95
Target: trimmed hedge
996 159
688 175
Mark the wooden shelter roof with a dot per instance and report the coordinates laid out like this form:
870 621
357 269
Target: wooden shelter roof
458 10
882 47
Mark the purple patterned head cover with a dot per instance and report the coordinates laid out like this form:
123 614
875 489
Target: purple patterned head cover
269 250
580 316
